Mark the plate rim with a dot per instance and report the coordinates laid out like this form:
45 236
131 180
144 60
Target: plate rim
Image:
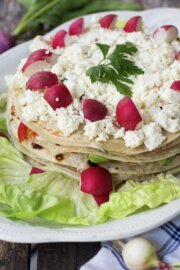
10 231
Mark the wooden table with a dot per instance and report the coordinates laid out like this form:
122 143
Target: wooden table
51 256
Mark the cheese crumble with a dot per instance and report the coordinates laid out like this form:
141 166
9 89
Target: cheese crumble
158 105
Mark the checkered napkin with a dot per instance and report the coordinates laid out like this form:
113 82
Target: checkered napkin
166 239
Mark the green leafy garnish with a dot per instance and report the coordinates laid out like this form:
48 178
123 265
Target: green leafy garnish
45 14
3 107
96 158
116 67
167 161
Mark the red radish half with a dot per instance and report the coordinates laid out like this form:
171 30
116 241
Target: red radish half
101 198
94 110
133 25
96 181
76 27
36 67
108 21
175 86
35 56
59 39
41 80
35 170
166 33
127 114
58 96
177 56
22 131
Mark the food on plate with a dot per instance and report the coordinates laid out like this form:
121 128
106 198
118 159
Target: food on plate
93 118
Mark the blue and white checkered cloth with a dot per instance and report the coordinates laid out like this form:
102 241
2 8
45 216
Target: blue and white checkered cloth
166 239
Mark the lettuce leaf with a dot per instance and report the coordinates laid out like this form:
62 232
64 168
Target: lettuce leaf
50 194
3 108
96 159
136 195
57 198
13 168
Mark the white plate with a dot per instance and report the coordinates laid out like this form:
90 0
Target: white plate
36 231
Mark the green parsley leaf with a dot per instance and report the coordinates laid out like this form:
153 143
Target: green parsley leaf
104 48
128 48
117 68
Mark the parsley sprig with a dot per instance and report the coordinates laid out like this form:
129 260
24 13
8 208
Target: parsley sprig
116 67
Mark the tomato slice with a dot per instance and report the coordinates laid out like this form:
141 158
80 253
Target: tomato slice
22 130
31 134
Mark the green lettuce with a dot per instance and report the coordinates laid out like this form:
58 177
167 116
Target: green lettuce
167 161
134 196
57 198
96 158
13 167
3 107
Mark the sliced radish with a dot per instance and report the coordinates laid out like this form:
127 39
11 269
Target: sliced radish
76 27
177 56
175 86
36 67
133 25
22 131
59 40
58 96
38 55
166 33
127 114
35 170
108 21
41 80
101 198
96 181
94 110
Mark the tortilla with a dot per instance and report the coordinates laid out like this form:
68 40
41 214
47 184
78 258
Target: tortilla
78 139
74 163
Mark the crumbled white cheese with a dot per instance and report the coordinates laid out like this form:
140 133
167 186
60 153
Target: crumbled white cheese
67 123
69 119
153 136
176 45
29 113
38 43
29 97
158 105
16 81
34 107
119 133
168 95
149 57
167 116
134 138
146 118
102 130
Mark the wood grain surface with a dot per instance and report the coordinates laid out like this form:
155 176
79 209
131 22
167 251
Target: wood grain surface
65 256
14 256
55 256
